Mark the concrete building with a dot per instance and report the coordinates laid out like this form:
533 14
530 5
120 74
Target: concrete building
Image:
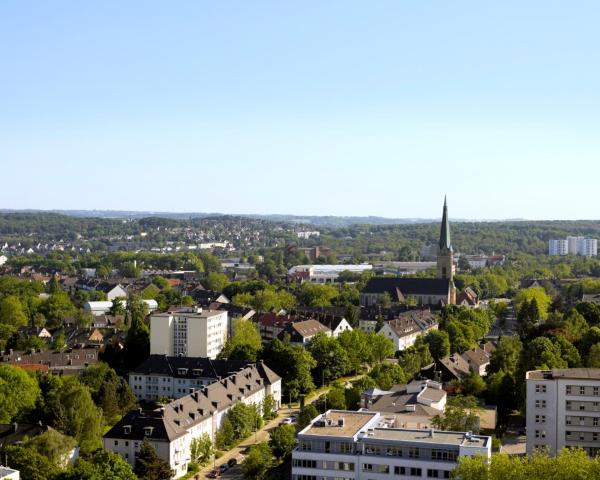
188 332
558 247
586 247
174 377
365 445
563 409
171 428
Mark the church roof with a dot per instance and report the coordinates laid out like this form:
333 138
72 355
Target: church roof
407 286
445 242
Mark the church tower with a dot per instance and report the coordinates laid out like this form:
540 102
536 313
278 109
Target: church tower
445 258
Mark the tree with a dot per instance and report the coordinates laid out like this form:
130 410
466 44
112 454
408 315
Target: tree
244 344
526 296
68 407
473 385
58 341
357 346
225 435
593 358
283 440
542 354
117 307
314 295
202 449
216 281
439 343
102 465
137 341
458 415
306 415
506 356
57 308
53 445
31 464
269 407
336 397
18 392
331 359
11 312
293 364
149 466
381 347
258 461
386 375
415 357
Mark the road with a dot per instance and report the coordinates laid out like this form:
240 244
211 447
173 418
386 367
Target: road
236 452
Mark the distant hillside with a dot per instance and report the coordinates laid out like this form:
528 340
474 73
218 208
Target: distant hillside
315 220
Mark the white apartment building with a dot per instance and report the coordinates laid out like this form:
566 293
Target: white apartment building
349 445
587 247
160 376
563 409
188 332
171 429
558 247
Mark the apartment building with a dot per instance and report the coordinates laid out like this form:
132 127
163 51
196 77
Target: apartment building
352 445
160 376
587 247
563 409
188 332
171 428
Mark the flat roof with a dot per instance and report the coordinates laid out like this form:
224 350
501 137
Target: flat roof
353 423
573 373
425 436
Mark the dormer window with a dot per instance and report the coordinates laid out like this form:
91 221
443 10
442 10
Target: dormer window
197 372
148 431
127 429
182 371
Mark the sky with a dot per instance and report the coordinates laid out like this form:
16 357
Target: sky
309 108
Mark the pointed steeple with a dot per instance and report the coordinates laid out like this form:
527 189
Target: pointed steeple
445 243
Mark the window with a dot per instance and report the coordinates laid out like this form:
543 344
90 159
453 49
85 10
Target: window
540 419
433 473
540 389
116 443
581 390
413 453
399 470
367 467
595 421
595 391
540 434
568 390
540 404
415 472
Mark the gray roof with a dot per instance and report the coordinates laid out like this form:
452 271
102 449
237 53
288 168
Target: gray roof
172 367
407 286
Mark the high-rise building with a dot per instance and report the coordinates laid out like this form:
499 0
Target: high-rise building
563 409
558 247
188 332
587 247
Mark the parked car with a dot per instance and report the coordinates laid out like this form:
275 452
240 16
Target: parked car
287 421
223 468
213 474
231 462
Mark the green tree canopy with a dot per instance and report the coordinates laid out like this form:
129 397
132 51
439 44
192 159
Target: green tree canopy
149 466
18 393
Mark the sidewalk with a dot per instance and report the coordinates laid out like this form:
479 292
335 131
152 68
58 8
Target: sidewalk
260 436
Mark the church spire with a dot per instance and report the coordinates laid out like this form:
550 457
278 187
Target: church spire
445 243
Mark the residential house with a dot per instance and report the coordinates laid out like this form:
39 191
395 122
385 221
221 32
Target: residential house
301 332
70 361
404 330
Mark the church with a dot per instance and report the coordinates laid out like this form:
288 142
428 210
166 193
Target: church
434 292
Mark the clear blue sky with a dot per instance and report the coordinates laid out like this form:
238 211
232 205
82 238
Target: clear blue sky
324 107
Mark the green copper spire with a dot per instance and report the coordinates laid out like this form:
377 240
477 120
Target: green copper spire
445 230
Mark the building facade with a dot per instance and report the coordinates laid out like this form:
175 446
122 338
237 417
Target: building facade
188 332
587 247
160 376
171 428
366 445
563 409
